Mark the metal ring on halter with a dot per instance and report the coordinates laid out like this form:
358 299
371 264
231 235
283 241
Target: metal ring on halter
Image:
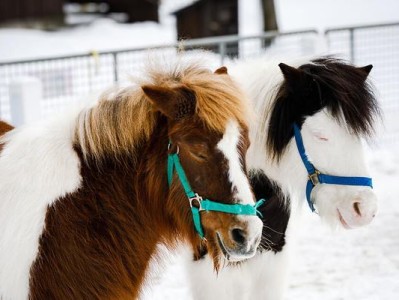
177 147
197 198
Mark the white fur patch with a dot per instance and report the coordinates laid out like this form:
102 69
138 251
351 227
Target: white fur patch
229 147
37 166
261 277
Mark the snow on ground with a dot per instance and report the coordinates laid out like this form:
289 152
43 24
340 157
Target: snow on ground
332 265
101 35
356 264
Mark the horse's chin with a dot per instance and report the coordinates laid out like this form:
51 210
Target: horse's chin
232 256
352 222
342 221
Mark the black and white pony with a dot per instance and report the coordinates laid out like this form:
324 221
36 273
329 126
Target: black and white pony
334 107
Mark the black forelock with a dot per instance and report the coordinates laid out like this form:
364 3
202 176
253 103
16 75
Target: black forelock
325 82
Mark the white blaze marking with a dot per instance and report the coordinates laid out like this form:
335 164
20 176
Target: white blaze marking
229 147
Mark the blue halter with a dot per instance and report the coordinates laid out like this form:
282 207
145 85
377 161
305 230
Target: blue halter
316 177
198 204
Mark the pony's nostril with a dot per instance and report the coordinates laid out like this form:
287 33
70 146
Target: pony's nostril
356 207
238 235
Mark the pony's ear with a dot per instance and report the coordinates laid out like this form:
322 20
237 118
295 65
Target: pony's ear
175 103
221 70
290 74
297 80
366 70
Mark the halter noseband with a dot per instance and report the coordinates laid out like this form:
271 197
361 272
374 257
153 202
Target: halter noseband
316 177
205 204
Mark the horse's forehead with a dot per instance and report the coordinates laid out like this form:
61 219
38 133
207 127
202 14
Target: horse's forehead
233 132
325 123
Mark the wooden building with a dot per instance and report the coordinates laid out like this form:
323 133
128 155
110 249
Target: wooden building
136 10
207 18
30 10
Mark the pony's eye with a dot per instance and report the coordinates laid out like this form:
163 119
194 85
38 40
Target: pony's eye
321 138
199 155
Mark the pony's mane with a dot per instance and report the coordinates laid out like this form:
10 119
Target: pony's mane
125 118
351 94
331 84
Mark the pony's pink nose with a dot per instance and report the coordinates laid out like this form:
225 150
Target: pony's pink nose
361 211
364 211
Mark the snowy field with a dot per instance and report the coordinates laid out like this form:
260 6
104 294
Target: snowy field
344 265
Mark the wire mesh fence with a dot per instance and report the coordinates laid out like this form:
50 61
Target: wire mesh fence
378 45
71 79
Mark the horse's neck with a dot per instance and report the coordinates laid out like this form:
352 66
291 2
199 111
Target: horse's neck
289 173
261 80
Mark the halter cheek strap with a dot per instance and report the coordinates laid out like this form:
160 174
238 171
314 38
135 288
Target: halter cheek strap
316 177
198 204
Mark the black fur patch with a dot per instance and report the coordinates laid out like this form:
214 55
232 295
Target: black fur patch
324 83
275 211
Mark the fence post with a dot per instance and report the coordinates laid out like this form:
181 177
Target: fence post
25 100
352 45
115 61
222 51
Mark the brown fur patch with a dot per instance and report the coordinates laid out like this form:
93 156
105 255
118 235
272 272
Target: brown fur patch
4 128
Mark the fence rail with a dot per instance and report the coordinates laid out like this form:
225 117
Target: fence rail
68 79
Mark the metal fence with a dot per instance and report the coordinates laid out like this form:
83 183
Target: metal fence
378 45
70 79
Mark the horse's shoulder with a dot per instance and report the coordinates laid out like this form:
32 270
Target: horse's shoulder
37 166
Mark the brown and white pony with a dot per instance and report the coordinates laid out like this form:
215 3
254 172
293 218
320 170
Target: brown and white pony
85 199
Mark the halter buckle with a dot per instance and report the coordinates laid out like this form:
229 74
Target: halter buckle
314 178
196 198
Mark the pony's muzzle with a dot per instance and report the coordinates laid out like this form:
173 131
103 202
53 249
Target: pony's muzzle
241 242
360 211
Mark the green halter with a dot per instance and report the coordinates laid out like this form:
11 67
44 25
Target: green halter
205 204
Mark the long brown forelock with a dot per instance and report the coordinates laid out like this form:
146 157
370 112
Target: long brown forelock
218 101
218 97
123 119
